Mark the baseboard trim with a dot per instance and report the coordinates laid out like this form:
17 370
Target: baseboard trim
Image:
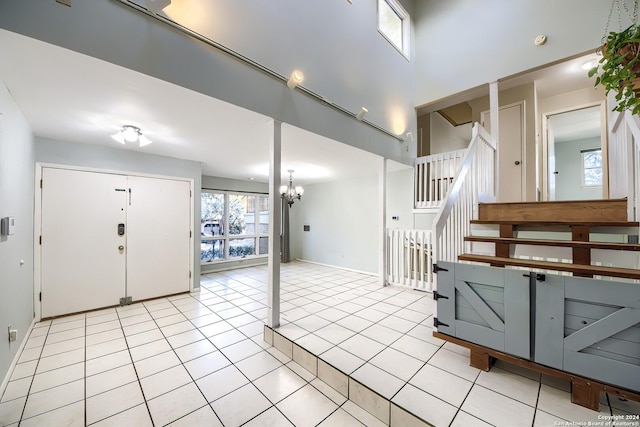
14 362
368 273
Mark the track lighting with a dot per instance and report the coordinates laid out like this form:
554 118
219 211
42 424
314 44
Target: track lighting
295 79
361 114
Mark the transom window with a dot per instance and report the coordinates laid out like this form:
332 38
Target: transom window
233 226
591 167
393 24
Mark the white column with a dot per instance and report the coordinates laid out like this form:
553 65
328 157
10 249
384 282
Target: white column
273 270
493 113
382 219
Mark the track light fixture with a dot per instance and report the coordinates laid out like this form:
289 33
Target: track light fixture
295 79
130 133
361 113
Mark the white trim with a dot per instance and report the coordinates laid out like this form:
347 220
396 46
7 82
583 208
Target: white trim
14 362
37 222
368 273
395 5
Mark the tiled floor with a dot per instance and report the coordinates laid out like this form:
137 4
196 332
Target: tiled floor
200 359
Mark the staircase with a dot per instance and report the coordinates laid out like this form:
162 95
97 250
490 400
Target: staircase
582 238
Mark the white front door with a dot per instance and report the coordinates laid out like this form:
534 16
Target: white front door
511 161
158 237
83 267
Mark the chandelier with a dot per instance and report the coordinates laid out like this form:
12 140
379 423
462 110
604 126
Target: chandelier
290 193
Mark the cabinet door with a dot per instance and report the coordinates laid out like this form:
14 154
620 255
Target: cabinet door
486 306
158 237
602 331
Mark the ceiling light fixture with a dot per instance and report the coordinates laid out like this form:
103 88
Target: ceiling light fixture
295 79
130 133
361 114
290 193
156 6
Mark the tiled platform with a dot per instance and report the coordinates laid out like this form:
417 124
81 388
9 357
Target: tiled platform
200 359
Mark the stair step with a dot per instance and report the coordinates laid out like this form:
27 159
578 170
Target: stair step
559 225
626 273
562 243
570 211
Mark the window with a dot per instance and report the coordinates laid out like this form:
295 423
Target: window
233 225
393 23
591 167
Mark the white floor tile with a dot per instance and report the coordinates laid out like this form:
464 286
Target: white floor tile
279 383
334 333
397 324
332 314
57 377
307 407
102 327
185 338
312 322
258 365
340 418
397 363
177 328
195 350
241 350
200 417
415 347
53 398
175 404
170 320
504 382
221 382
109 380
105 348
378 380
542 419
69 416
361 346
206 364
342 360
328 391
240 405
147 350
442 384
557 402
361 415
63 346
271 417
425 406
11 410
382 334
16 389
497 409
113 402
463 419
228 338
139 327
454 363
23 370
164 381
216 328
144 337
105 336
105 363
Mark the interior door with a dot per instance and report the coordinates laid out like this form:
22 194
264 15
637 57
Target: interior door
510 159
158 237
83 267
551 160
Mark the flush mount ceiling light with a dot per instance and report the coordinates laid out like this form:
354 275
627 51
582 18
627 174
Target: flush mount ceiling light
290 193
131 134
361 114
156 6
295 79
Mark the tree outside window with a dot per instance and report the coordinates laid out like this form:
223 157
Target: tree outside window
591 167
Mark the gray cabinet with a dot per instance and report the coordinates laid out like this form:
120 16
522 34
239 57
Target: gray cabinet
583 326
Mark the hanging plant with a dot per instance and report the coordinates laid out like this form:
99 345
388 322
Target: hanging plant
619 68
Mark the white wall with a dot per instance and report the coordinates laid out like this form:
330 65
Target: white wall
107 158
343 224
336 45
445 137
463 44
569 167
400 199
16 200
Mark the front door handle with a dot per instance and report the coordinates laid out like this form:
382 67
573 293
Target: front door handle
121 248
517 162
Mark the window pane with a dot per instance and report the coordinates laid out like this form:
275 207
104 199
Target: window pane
264 217
240 248
592 168
593 176
264 245
390 23
593 159
212 215
211 250
241 221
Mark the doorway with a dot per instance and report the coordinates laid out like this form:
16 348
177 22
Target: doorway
575 158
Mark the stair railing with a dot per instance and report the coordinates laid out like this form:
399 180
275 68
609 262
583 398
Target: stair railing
433 176
409 258
476 180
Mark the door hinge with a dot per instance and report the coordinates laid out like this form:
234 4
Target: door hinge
190 234
437 296
436 268
189 274
437 323
40 183
538 276
40 239
40 297
125 301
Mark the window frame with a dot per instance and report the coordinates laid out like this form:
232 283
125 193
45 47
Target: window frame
226 238
583 168
405 26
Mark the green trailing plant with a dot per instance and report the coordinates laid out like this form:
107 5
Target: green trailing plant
619 68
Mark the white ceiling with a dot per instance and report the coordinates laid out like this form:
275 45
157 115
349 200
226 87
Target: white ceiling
68 96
